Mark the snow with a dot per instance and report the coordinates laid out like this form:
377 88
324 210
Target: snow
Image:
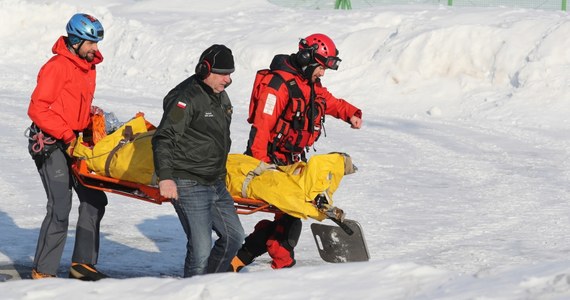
462 188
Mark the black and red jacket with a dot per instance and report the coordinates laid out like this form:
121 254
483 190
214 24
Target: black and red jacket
287 112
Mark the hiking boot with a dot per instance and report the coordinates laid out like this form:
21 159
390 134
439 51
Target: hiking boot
85 272
236 264
39 275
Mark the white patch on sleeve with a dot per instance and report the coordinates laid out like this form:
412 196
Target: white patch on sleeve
269 104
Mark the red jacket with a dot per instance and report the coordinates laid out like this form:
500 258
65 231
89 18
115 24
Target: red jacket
61 101
272 102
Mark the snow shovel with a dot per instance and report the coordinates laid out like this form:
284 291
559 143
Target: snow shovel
340 244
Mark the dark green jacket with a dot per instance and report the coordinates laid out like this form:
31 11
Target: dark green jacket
193 138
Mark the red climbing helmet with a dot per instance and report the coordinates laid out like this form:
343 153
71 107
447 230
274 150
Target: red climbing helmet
319 48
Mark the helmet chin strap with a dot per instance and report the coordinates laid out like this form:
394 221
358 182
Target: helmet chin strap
76 50
308 70
79 47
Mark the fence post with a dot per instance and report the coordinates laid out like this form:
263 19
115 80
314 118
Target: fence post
563 5
450 2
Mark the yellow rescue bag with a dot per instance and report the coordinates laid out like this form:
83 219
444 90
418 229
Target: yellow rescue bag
125 154
291 188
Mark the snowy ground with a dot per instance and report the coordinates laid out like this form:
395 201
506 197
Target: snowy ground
462 187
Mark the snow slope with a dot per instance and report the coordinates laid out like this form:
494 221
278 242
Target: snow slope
462 187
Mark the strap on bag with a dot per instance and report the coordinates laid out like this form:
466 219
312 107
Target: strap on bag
128 137
262 167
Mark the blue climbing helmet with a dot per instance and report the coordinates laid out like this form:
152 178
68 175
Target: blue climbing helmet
84 27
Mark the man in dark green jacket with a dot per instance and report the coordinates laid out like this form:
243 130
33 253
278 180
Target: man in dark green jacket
190 148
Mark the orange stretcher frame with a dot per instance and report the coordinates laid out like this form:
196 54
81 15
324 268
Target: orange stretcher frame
352 248
244 206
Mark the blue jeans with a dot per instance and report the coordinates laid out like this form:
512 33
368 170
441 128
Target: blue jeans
201 209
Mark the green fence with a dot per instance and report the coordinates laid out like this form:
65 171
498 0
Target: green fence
356 4
544 4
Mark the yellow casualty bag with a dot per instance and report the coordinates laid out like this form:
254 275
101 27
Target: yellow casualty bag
125 154
292 188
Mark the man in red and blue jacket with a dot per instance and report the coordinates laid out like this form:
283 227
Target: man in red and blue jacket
287 112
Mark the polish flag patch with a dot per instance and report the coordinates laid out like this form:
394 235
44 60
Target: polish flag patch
181 104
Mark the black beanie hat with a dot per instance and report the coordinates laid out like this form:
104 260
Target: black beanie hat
220 59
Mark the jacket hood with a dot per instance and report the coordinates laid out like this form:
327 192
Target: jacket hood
286 63
60 48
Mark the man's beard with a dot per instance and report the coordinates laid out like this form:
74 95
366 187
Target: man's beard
89 58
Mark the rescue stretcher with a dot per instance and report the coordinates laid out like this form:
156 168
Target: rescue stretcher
342 243
149 193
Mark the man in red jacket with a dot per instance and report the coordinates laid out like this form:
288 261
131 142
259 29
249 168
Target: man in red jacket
60 109
287 113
